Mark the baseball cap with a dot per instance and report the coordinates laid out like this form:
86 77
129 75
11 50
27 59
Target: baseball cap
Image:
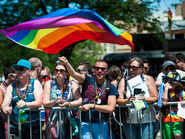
23 63
168 63
173 75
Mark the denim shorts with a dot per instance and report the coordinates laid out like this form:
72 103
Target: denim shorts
136 131
95 129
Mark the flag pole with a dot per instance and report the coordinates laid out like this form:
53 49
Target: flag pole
170 23
170 27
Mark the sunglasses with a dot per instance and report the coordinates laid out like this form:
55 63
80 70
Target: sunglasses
12 74
133 67
145 68
60 70
44 76
20 69
97 68
169 68
171 82
178 61
182 81
79 70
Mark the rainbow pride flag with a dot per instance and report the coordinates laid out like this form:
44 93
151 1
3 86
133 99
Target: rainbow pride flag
53 32
169 14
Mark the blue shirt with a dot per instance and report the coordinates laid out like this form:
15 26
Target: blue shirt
89 95
29 98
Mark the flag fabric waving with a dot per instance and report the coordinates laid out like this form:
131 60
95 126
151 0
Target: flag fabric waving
55 31
169 14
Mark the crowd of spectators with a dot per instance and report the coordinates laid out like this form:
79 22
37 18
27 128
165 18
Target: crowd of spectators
96 88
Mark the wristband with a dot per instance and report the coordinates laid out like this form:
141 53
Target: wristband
164 99
123 102
3 106
93 106
68 104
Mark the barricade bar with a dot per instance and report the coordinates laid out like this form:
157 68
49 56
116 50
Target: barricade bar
111 118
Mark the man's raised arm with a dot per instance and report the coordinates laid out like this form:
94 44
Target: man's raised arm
79 77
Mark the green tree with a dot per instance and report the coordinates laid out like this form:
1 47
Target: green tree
86 51
123 14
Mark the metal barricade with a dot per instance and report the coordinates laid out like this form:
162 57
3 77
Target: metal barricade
111 118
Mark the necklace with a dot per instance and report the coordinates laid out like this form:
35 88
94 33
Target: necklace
60 94
5 84
97 100
24 94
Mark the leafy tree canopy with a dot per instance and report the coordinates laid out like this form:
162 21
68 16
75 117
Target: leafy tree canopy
124 14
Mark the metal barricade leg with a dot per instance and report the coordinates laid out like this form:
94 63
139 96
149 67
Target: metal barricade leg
8 127
40 127
90 124
100 125
19 128
110 122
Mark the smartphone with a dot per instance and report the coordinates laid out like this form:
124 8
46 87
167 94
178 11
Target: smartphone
137 91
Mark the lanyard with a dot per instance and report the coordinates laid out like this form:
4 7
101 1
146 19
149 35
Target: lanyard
26 91
99 94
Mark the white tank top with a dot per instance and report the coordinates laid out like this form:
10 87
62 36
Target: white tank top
144 117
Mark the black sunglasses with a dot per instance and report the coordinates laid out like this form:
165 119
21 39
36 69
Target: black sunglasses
20 69
133 67
169 68
170 82
97 68
44 76
60 70
145 68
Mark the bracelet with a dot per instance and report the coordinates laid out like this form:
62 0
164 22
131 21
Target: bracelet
123 102
93 106
3 106
165 99
68 104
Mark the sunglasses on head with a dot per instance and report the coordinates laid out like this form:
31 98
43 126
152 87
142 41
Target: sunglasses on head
20 69
60 70
81 70
133 67
169 68
98 68
12 74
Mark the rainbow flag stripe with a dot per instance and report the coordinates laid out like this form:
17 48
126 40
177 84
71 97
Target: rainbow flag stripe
55 31
169 14
174 118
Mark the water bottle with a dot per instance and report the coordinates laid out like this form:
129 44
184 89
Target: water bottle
22 115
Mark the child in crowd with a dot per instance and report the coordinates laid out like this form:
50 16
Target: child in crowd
173 91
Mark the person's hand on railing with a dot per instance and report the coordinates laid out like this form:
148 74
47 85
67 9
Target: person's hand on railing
158 116
58 101
182 103
142 97
21 104
86 107
63 104
7 109
131 98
